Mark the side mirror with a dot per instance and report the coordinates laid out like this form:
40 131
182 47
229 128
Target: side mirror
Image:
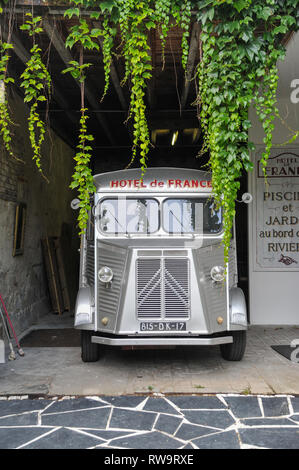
247 198
75 204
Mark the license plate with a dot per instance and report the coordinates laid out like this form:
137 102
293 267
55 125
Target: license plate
163 326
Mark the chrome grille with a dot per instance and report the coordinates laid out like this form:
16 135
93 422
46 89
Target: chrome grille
149 287
176 292
163 289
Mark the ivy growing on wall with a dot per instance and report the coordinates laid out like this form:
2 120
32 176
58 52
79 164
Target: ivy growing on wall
241 42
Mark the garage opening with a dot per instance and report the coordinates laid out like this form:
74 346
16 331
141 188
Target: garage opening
51 241
39 229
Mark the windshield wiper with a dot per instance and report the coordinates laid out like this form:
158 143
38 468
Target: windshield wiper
117 221
183 227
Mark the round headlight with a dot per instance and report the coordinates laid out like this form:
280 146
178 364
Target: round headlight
217 273
105 274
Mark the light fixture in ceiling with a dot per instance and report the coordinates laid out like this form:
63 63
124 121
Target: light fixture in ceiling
174 137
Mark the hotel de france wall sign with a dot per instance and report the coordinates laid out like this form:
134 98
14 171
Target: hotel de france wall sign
276 211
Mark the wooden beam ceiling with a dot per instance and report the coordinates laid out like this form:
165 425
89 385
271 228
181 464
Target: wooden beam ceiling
168 92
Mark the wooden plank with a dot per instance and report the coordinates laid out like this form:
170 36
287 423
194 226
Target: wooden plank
61 271
52 275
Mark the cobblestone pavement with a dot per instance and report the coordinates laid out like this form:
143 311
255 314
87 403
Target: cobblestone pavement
222 421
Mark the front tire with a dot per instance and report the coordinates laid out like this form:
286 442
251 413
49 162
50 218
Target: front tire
89 351
234 351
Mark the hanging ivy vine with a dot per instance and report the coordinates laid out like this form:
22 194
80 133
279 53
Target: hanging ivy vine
108 34
5 118
36 82
241 42
182 13
163 10
134 30
84 38
6 121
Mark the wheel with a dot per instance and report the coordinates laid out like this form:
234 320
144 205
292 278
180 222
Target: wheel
234 351
89 351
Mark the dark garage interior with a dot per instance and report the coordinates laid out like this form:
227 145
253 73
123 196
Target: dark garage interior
176 137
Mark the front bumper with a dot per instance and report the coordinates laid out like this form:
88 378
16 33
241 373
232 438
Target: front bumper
157 341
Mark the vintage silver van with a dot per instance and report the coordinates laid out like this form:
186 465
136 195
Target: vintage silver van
152 266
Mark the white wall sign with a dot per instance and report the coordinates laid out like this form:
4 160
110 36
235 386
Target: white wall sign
277 211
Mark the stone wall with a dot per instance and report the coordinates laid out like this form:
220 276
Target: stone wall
23 282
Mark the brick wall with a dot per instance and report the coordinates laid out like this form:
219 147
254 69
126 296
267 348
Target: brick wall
8 177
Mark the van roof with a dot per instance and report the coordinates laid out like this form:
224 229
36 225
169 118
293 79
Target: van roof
160 179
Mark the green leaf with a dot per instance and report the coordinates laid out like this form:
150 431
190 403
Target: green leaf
150 24
72 12
94 14
246 36
252 50
280 29
25 27
266 13
108 5
239 5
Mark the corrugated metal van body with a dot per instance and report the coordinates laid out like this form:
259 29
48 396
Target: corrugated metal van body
108 298
159 285
158 278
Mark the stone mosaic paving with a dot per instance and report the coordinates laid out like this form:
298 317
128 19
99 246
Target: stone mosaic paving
220 421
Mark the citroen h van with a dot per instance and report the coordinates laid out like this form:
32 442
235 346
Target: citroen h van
152 267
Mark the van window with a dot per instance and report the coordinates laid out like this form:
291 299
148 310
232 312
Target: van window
191 215
129 215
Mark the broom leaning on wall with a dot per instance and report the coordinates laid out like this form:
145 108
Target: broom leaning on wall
6 320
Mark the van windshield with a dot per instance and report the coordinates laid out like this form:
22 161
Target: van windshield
191 215
129 215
